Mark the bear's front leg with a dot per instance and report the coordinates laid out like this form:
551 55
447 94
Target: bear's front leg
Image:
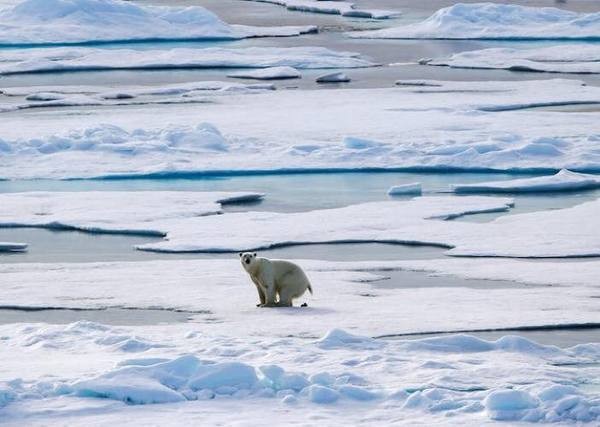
261 293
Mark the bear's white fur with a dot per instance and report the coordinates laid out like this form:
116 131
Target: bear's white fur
278 282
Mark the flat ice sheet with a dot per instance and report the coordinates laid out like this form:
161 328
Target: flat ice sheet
565 232
20 61
336 7
83 21
348 295
576 59
116 212
564 180
458 125
496 21
271 73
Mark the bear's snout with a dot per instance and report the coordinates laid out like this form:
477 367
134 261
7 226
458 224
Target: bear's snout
247 260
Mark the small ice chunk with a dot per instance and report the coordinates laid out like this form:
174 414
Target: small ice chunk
405 189
333 78
44 96
12 247
321 394
271 73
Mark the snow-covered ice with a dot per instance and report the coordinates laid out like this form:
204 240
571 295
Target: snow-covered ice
85 21
347 294
19 61
333 78
579 59
210 379
116 212
424 127
496 21
333 7
405 189
564 180
271 73
187 227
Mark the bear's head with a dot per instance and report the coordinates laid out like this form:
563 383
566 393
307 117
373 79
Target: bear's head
247 259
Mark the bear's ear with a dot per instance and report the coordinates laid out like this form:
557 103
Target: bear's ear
254 254
240 254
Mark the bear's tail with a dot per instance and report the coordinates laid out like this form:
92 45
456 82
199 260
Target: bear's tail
310 289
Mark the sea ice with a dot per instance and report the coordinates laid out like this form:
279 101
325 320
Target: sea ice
405 189
564 180
458 377
186 219
12 247
135 211
578 59
21 61
339 298
83 21
496 21
333 78
440 130
271 73
334 7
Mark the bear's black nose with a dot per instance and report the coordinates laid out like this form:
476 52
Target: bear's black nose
247 261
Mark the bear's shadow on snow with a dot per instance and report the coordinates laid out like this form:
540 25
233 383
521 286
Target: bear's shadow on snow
300 311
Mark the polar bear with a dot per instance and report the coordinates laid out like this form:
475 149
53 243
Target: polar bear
275 278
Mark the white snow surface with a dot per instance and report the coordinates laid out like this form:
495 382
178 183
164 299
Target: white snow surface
439 130
334 7
578 59
271 73
85 21
564 180
495 21
557 233
211 379
19 61
353 295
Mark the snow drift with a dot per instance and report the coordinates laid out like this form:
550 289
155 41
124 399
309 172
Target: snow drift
496 21
84 21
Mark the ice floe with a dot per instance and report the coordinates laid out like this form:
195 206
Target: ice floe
271 73
20 61
88 96
490 126
333 78
84 21
496 21
338 299
334 7
564 180
567 232
578 59
94 211
413 188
